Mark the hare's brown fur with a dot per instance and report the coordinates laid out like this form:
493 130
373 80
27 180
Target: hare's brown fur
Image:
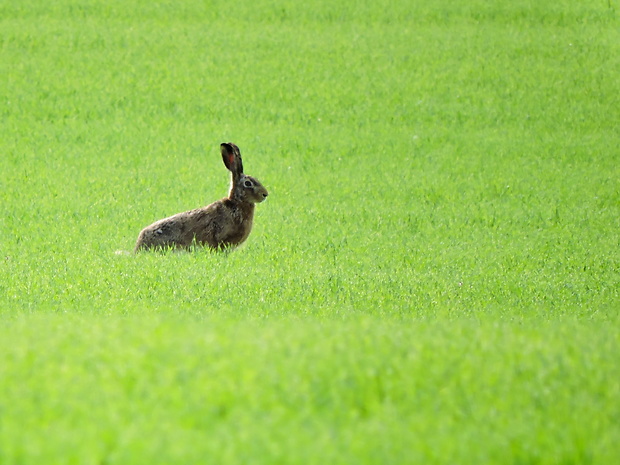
224 223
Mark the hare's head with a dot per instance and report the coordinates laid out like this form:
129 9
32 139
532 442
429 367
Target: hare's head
243 188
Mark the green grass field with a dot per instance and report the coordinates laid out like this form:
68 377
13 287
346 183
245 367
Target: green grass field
434 279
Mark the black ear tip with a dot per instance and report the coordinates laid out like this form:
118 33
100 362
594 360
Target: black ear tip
229 147
232 157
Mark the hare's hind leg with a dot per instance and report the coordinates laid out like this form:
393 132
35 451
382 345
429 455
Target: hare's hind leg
161 234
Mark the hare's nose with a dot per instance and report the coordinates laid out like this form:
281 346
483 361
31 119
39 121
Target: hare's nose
265 194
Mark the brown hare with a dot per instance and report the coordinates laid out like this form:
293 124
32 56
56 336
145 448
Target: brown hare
224 224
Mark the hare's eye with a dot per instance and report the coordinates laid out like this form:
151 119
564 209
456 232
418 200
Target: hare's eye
247 183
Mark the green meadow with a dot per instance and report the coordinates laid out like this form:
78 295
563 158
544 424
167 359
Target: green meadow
434 278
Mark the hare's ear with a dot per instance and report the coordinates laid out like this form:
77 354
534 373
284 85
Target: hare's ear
232 158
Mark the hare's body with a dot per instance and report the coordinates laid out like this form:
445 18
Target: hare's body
224 223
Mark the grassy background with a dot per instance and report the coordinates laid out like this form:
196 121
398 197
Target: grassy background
434 278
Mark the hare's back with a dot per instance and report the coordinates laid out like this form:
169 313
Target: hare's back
175 231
